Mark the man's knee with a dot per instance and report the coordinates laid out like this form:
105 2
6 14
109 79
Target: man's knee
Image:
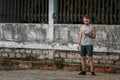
83 59
90 58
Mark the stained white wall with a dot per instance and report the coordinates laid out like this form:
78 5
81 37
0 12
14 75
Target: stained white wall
56 36
65 36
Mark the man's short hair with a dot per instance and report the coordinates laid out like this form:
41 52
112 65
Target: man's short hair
86 17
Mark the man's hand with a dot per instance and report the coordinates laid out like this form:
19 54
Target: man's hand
78 47
93 35
89 35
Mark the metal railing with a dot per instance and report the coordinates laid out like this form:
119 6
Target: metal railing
24 11
100 11
66 11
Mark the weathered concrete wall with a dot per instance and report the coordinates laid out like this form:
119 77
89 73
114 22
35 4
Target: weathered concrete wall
107 38
65 36
22 40
24 35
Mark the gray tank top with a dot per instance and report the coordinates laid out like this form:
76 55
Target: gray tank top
85 39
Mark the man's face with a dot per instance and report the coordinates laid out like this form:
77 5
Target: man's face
86 21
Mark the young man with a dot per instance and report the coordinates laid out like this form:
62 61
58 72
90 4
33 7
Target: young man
85 42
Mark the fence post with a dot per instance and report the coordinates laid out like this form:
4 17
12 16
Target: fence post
50 31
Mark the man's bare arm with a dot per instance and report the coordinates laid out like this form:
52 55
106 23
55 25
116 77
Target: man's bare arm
79 39
80 36
93 35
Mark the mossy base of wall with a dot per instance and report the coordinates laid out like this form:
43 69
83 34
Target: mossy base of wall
21 58
49 65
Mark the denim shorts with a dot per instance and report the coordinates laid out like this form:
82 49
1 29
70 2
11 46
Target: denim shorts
86 50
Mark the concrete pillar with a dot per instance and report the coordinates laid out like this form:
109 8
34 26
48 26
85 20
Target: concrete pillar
50 33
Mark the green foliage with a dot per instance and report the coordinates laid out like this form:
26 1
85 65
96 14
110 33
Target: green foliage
112 70
59 62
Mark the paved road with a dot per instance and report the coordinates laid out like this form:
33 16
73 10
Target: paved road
53 75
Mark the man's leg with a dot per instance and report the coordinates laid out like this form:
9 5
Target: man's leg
90 58
83 61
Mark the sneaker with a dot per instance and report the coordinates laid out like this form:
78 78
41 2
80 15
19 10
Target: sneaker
93 73
82 73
